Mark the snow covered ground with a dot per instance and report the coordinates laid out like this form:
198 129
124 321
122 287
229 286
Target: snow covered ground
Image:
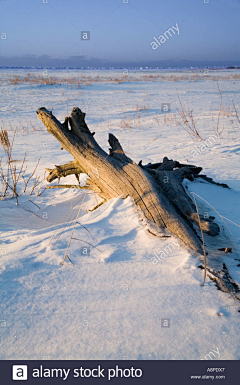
114 302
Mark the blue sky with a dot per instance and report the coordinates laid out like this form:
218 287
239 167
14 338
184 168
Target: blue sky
49 33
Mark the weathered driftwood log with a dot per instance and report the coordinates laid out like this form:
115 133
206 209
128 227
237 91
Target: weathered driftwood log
157 189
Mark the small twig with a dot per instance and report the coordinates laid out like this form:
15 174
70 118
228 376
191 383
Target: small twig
85 229
77 239
40 193
29 210
69 186
220 110
32 174
230 221
73 229
69 222
98 205
238 119
63 220
34 203
217 213
70 260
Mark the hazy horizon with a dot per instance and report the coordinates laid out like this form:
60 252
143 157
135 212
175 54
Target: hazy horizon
119 33
84 64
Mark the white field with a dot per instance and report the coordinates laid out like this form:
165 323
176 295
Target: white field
110 304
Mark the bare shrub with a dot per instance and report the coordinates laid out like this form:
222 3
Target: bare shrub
11 175
125 123
188 122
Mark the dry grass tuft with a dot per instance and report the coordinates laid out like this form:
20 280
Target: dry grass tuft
188 122
81 80
5 143
11 175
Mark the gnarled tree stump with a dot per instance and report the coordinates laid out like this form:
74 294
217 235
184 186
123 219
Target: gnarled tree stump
156 188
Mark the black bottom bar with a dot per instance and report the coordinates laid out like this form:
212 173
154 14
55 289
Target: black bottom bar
116 372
